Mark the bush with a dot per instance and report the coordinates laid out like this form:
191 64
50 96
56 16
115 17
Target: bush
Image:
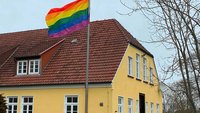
3 106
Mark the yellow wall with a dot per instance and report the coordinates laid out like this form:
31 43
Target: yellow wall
52 100
130 87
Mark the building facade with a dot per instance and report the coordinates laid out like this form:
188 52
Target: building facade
43 75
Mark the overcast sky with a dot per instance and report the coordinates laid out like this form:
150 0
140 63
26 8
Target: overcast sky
21 15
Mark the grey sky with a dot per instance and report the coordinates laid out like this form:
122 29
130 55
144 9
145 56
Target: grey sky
21 15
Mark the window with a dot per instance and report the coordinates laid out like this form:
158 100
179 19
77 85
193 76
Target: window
34 66
146 107
137 66
151 75
152 107
130 105
145 69
22 67
120 105
27 105
130 66
12 104
71 104
25 67
137 106
158 108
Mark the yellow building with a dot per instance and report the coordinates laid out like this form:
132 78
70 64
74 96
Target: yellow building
44 75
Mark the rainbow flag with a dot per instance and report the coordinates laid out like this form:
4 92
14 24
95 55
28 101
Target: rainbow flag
68 19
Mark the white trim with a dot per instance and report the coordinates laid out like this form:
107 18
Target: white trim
22 61
144 69
29 69
137 66
130 66
71 104
131 105
28 104
151 75
121 105
11 104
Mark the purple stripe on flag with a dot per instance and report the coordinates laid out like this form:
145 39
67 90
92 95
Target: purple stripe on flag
70 30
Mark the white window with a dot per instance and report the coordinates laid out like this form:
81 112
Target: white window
71 104
130 105
158 108
152 106
34 66
130 66
137 106
22 67
27 105
120 105
25 67
151 75
146 107
12 104
137 66
145 69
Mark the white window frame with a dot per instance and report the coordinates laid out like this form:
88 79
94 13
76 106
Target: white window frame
71 104
11 104
130 66
137 66
130 106
121 105
137 106
22 73
34 66
146 107
144 69
157 108
152 107
28 104
151 75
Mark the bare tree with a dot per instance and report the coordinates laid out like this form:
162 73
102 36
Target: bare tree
177 27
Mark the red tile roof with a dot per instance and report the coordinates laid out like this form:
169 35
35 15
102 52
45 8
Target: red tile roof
108 43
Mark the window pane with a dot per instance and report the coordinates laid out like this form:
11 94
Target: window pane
10 100
69 99
10 107
24 107
30 100
15 107
30 108
68 108
75 100
25 100
14 111
75 108
9 111
15 100
29 111
24 111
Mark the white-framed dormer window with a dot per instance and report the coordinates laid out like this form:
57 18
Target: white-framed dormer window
28 67
137 66
120 104
151 75
145 69
34 66
71 104
130 66
12 104
130 105
27 104
22 67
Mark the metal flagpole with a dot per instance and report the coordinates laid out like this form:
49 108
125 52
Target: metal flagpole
87 61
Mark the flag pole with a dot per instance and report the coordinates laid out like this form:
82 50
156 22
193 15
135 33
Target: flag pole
87 61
